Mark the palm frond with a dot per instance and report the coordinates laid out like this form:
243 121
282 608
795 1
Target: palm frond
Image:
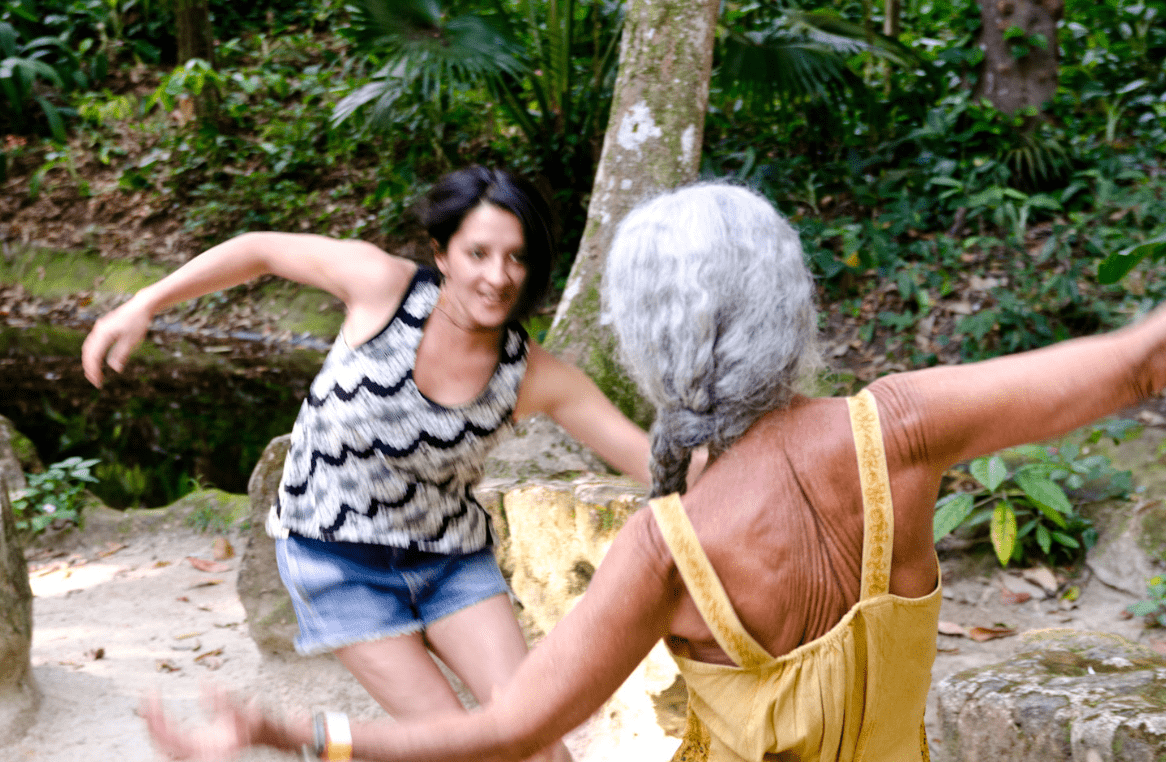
426 39
802 55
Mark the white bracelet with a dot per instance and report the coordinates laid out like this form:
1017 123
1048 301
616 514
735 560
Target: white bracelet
338 737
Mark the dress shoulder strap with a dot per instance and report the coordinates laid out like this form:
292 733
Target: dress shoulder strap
878 513
703 584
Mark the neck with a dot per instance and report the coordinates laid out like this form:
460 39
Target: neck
474 333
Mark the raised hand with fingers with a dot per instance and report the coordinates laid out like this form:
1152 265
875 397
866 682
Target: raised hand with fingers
231 727
113 338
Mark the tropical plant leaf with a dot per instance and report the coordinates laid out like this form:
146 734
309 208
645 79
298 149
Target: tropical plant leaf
1003 531
53 116
1143 608
990 472
950 512
1045 493
1115 267
1044 539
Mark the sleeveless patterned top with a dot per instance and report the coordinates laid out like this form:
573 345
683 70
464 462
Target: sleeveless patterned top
373 460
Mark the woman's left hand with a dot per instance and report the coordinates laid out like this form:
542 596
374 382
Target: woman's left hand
232 727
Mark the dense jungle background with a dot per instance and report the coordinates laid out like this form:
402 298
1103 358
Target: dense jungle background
945 218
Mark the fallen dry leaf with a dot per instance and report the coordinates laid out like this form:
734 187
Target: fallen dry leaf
208 583
1011 599
95 653
223 549
165 665
208 566
981 634
160 564
111 548
951 628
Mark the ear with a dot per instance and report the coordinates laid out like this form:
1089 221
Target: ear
439 256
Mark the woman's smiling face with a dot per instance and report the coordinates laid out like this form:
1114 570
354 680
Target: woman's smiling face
484 266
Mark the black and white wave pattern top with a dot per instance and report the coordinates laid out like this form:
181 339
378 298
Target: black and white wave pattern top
373 460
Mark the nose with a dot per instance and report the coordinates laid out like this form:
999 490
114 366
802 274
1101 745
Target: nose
497 273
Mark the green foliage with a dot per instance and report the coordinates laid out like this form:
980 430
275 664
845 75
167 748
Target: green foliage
546 67
1152 608
22 64
57 494
208 518
1022 494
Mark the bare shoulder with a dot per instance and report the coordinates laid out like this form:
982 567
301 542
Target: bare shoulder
642 533
546 379
372 277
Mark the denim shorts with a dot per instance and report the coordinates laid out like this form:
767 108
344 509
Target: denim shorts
350 592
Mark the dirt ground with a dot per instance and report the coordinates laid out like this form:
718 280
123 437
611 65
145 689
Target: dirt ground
114 619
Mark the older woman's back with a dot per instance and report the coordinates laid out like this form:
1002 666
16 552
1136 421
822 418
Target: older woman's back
795 649
789 489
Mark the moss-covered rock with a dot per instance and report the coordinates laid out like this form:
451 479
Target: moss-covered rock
1066 695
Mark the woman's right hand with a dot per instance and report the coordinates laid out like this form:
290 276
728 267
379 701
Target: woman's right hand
113 337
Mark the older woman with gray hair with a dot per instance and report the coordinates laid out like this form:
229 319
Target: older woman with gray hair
796 582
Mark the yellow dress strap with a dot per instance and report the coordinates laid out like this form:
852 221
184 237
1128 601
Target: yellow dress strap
703 584
878 514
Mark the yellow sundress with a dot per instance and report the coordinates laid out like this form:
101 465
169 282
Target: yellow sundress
856 693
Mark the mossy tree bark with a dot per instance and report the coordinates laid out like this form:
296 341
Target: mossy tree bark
652 144
1021 56
16 691
195 38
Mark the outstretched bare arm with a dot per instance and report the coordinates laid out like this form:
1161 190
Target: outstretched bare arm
955 413
368 281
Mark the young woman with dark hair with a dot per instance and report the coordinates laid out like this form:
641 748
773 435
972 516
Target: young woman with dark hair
384 549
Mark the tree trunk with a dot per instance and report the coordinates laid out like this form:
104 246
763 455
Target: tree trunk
18 696
891 13
652 144
1019 40
196 40
193 28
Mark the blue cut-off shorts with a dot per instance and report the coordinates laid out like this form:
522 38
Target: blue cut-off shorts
349 592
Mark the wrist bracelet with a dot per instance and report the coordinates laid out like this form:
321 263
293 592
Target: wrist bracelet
318 737
337 737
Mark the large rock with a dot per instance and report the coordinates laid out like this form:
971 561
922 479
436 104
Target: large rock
559 533
18 693
270 616
1131 547
1066 695
541 449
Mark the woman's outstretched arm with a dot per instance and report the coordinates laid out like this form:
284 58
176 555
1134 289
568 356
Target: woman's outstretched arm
954 413
628 607
368 281
567 395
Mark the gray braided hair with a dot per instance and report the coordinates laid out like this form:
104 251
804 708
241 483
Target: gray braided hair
714 309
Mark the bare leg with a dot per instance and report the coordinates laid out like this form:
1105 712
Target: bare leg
484 645
400 674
